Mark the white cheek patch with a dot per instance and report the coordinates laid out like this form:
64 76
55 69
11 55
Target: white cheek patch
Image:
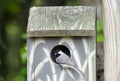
60 52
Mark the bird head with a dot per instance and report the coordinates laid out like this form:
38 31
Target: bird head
57 51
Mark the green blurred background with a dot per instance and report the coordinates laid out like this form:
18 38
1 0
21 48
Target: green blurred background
13 24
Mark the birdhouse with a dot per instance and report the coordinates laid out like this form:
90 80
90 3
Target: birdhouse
61 44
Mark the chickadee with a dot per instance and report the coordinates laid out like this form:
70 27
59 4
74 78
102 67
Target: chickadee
60 54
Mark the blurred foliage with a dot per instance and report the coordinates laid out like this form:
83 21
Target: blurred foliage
72 3
23 54
13 23
100 37
21 75
37 3
1 78
11 6
12 30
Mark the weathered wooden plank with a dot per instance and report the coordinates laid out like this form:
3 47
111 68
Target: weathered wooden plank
61 21
112 39
55 33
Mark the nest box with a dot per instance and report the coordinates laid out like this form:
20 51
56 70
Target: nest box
70 28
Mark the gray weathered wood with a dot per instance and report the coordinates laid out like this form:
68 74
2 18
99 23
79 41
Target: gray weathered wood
61 21
42 68
76 27
112 39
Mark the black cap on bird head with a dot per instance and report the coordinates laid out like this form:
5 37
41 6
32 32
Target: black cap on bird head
54 52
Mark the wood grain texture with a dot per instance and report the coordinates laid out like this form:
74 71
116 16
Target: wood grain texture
112 39
61 21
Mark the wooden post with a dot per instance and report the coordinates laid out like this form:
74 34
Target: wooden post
112 39
71 26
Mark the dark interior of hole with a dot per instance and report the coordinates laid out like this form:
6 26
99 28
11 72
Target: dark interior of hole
58 48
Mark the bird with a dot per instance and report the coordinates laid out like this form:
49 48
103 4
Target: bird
60 54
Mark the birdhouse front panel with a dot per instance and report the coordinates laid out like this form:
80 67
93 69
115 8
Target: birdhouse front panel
42 68
61 44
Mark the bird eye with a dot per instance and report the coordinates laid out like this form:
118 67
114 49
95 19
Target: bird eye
57 55
54 52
